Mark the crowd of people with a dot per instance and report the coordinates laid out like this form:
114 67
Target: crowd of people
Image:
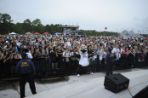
73 52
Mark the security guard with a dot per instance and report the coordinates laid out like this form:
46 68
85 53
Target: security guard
25 68
110 58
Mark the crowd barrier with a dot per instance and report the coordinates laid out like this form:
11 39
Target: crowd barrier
46 68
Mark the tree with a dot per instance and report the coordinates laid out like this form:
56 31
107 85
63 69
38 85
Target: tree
47 28
1 17
18 27
27 21
55 28
5 18
36 22
5 23
37 26
27 25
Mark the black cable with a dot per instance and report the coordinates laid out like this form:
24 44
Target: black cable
130 93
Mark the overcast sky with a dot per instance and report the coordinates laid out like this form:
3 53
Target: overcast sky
117 15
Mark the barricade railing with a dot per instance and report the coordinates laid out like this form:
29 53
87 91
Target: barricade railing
46 68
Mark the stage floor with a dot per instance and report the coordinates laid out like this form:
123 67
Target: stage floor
85 86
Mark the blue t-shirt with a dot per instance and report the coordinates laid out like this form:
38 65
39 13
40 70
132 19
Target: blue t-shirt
25 66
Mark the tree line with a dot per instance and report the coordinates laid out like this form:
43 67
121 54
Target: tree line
7 26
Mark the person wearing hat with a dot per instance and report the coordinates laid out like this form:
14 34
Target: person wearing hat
25 68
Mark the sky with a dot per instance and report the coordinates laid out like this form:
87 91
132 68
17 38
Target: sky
116 15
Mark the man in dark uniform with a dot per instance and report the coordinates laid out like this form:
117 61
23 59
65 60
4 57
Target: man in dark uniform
109 62
25 68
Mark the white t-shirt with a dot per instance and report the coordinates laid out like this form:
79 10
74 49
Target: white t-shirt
117 53
84 61
29 55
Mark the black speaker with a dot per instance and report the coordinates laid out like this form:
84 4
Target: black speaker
116 82
142 94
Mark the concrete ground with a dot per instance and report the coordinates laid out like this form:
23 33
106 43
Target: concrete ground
71 84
